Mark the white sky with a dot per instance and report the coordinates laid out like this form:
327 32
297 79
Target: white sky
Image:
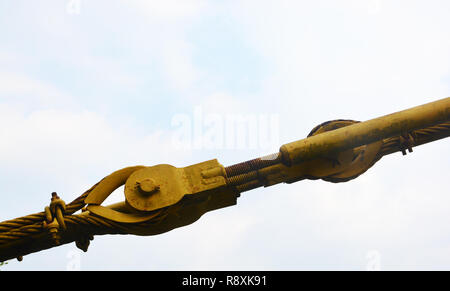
86 90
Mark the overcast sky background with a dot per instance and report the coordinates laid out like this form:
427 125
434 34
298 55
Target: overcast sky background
90 87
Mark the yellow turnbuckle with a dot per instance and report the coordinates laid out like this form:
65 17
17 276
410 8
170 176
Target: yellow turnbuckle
160 198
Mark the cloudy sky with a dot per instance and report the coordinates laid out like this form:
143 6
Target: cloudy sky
90 87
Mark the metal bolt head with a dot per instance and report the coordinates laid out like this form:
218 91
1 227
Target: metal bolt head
147 186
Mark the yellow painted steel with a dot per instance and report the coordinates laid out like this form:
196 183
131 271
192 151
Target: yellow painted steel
148 189
163 197
335 151
366 132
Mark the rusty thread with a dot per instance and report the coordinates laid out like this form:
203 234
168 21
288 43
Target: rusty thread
243 178
253 165
249 186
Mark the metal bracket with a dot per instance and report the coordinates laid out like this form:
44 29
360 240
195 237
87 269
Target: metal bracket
148 190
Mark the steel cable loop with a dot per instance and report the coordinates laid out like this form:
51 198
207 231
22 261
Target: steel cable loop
30 225
53 219
19 233
21 221
420 136
86 224
244 176
39 217
95 224
83 226
81 229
